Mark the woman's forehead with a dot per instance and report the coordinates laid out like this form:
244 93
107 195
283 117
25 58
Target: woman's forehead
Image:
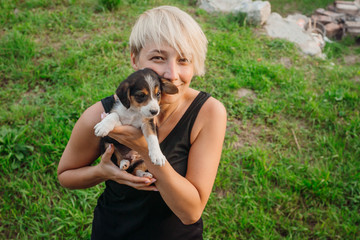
163 48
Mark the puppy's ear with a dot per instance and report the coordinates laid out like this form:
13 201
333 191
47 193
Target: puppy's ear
123 93
168 87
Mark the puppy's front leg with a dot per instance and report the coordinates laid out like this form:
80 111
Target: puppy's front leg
107 124
155 154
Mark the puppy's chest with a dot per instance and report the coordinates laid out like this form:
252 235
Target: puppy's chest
128 116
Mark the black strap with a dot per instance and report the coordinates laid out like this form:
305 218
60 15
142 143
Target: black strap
108 103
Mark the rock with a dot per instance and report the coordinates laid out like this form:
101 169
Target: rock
353 28
346 7
257 12
333 30
290 30
226 6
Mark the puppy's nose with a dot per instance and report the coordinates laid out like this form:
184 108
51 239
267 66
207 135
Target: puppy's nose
154 112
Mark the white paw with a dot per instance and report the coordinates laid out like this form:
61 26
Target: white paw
124 164
102 129
141 173
157 158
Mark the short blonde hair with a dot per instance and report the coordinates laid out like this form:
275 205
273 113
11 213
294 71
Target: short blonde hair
167 24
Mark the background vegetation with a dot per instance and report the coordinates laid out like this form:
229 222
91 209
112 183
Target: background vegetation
291 161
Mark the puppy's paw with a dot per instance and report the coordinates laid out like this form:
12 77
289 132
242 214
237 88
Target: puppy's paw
157 158
124 164
102 129
141 173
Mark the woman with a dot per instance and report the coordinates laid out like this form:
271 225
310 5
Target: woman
191 129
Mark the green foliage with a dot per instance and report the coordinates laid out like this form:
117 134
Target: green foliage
16 47
306 7
290 164
110 4
14 150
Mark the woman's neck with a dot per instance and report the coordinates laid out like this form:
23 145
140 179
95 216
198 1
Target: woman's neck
170 111
167 112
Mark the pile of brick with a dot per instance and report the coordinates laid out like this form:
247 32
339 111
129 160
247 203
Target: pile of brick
339 19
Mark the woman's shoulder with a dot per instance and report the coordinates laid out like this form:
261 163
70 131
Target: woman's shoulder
212 115
212 107
91 116
214 110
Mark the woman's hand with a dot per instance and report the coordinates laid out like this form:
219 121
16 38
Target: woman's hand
112 172
131 137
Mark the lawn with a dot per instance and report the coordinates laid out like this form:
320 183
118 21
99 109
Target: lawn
290 166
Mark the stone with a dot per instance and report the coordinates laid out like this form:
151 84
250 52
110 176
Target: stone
333 30
346 7
257 12
226 6
353 28
322 18
333 15
289 29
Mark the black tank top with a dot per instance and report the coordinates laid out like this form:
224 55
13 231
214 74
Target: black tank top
124 213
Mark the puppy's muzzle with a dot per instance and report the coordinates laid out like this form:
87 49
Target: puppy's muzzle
154 112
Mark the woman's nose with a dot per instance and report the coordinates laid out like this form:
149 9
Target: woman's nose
171 71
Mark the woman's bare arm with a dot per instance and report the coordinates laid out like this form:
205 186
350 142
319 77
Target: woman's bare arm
75 170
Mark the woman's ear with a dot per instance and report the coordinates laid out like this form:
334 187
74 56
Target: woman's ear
133 61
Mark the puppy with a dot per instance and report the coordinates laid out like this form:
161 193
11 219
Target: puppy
125 158
137 104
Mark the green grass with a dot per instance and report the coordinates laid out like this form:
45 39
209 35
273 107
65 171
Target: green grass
290 165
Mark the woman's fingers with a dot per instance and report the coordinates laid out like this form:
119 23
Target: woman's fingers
144 187
108 153
140 183
128 177
127 130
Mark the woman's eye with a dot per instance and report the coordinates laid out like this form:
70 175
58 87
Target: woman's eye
184 60
157 58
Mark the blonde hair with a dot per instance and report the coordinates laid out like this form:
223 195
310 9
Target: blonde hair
167 24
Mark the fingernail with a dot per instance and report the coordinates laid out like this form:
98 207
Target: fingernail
155 190
147 181
153 180
109 147
103 115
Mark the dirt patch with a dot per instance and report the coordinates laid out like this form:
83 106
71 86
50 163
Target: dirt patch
286 62
351 59
220 193
83 37
243 92
247 134
357 79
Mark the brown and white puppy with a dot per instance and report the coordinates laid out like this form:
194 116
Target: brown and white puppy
138 103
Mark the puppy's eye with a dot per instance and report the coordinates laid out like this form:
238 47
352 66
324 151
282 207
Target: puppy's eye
140 96
158 94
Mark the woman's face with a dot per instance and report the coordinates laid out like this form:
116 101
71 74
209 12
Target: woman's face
168 63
